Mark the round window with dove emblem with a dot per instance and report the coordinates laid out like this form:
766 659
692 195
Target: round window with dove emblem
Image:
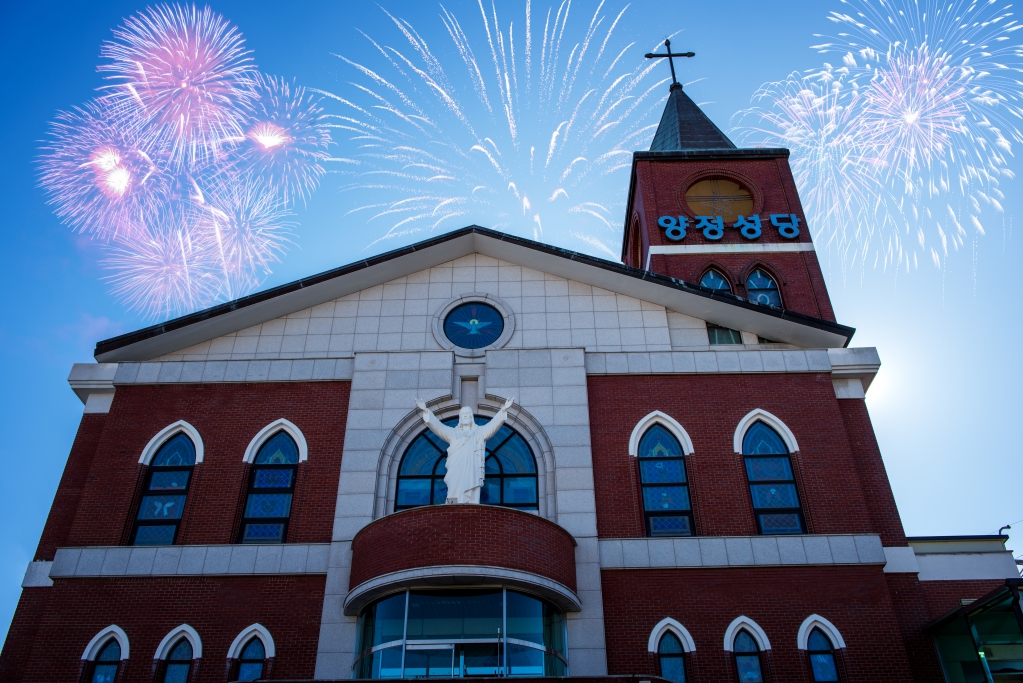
473 325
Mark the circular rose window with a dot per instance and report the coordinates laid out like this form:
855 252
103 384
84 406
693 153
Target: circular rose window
719 197
473 325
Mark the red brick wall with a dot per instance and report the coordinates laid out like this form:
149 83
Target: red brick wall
463 534
709 407
227 417
21 635
877 490
72 483
799 275
147 609
705 601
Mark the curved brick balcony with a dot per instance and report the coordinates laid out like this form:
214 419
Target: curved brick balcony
462 545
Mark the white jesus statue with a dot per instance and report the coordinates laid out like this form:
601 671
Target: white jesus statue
467 449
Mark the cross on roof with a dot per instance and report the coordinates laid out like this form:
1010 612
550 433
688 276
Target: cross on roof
670 55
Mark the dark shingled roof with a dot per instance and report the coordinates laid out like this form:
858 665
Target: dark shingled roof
683 126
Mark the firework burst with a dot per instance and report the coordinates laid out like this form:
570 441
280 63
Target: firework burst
551 106
183 76
929 91
286 139
187 164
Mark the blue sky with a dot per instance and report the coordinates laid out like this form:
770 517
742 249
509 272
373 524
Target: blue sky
942 404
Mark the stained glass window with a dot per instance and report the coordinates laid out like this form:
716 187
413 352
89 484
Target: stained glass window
473 325
179 663
747 658
509 477
271 490
762 289
105 667
670 654
250 664
719 197
164 493
712 279
772 485
662 476
822 657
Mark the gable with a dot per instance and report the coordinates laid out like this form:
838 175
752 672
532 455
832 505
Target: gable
550 311
282 302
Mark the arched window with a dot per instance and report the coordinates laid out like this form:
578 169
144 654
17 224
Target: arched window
713 279
510 475
271 489
747 658
104 669
771 483
672 658
822 657
250 663
662 476
179 663
762 289
164 493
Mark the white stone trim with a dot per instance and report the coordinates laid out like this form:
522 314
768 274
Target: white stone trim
171 639
761 415
101 639
751 627
900 561
746 248
481 297
242 639
37 575
665 625
455 575
666 421
165 434
817 621
191 560
280 425
742 551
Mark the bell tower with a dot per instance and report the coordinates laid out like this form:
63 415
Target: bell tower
704 211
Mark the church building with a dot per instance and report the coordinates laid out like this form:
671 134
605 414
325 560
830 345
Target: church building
483 456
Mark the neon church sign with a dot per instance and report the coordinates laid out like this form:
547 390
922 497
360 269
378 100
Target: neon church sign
714 226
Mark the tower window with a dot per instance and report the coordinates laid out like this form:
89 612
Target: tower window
719 197
762 289
271 490
164 493
712 279
662 476
771 483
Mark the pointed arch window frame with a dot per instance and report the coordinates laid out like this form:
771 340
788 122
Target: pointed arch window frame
241 641
789 441
264 435
672 426
150 451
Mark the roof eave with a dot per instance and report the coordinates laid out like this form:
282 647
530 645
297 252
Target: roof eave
676 295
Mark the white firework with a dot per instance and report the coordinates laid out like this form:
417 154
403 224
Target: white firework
549 108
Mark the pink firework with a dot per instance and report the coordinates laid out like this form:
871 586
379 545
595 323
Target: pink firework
248 231
98 175
181 75
163 274
913 109
286 139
